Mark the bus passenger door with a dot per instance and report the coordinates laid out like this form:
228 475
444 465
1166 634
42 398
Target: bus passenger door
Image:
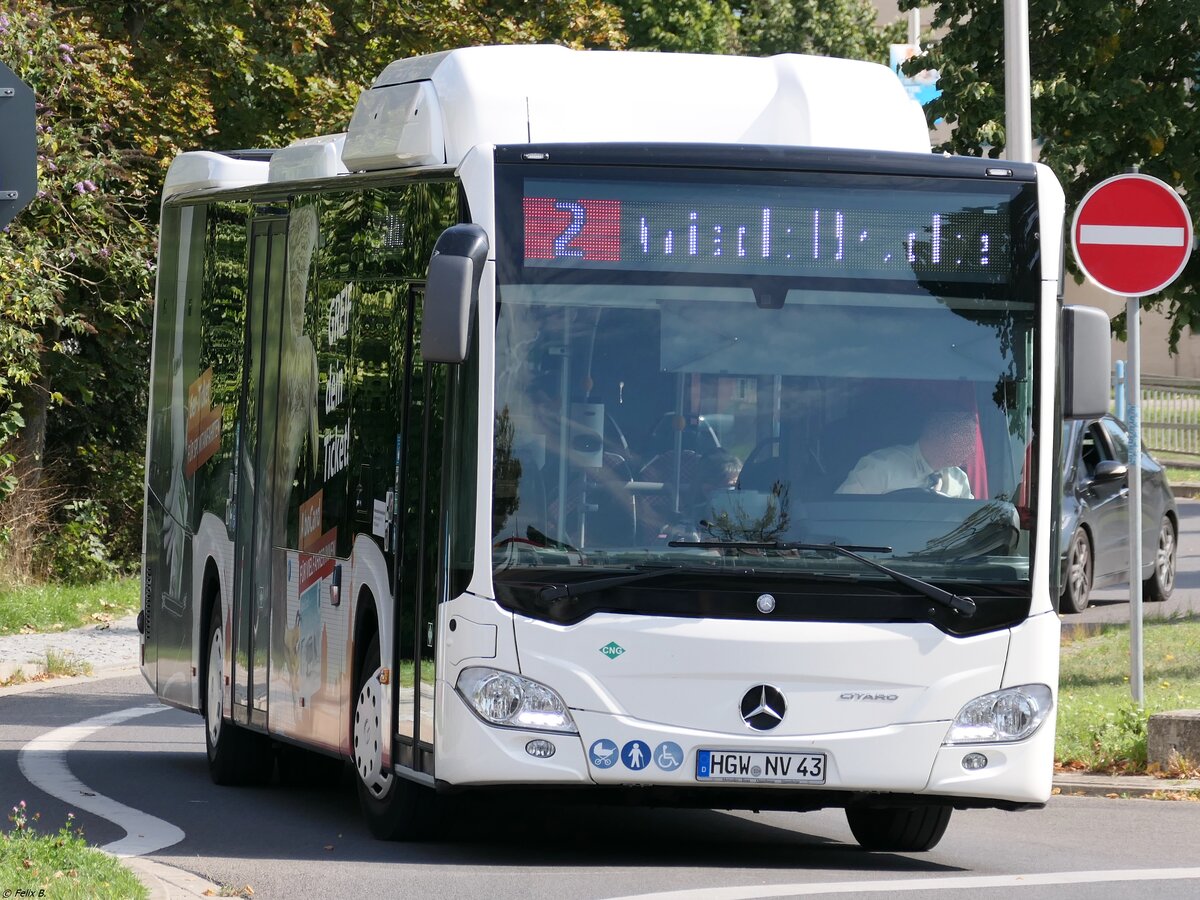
254 543
420 543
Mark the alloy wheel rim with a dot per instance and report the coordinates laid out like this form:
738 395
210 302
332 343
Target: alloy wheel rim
1080 559
1166 556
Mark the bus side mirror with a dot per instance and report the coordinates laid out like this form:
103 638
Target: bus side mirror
1086 363
452 292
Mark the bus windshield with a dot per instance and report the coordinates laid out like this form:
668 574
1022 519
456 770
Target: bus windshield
698 368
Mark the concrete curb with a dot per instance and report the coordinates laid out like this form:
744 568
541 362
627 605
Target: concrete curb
169 883
1122 786
97 675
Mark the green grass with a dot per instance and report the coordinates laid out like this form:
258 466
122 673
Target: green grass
1099 726
407 668
59 607
60 864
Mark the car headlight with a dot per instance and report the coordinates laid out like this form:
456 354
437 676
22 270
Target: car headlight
510 701
1012 714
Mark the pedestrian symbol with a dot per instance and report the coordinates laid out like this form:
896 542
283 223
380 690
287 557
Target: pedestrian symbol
636 755
603 754
668 756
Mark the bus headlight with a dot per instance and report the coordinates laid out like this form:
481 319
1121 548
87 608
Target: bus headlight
1012 714
510 701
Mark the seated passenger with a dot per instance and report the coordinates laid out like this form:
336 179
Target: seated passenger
934 462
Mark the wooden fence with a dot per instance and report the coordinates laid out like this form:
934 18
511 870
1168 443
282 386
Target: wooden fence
1170 414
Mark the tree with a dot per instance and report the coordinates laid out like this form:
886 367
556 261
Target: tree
845 28
75 273
1110 89
122 86
681 26
272 72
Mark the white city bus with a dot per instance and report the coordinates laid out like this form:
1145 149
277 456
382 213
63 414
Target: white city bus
506 440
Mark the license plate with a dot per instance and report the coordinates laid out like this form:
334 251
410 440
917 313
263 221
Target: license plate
770 768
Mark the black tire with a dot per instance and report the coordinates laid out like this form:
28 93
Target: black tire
900 829
395 808
235 755
1077 585
1161 583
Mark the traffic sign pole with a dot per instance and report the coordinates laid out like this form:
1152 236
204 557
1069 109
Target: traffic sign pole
1133 375
1132 236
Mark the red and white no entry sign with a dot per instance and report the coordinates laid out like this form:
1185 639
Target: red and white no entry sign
1132 235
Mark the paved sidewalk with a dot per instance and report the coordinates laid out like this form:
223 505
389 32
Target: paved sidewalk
104 646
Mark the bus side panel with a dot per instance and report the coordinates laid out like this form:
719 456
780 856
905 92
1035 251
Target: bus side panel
172 453
195 384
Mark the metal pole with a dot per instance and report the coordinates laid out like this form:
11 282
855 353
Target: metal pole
1017 128
1119 390
914 26
1133 420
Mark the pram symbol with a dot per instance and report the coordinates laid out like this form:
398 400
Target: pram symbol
603 754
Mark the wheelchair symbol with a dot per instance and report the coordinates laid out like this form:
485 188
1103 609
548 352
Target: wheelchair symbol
668 756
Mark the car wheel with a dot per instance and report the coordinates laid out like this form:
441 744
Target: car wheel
1159 585
395 808
235 755
904 829
1077 590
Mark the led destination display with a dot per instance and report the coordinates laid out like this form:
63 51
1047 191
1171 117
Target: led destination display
815 232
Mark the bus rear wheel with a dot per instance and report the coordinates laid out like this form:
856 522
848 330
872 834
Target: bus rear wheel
235 755
395 808
900 829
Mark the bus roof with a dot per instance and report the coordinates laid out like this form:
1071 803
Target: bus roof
431 110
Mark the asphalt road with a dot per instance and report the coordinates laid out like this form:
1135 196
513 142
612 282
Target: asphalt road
1112 604
308 841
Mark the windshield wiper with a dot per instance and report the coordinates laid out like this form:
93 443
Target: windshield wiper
964 606
590 585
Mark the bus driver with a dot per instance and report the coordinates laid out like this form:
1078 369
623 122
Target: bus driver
935 461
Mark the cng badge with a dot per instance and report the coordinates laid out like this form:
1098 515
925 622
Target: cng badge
612 649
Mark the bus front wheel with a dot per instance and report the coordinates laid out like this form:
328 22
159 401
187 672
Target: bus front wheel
901 829
395 808
235 755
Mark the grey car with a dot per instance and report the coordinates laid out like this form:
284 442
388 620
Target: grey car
1095 516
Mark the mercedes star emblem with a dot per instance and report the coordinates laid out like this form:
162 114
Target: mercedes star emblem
763 707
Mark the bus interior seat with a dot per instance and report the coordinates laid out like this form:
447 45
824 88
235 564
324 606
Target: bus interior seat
612 508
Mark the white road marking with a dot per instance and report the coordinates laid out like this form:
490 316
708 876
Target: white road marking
43 762
1132 235
953 883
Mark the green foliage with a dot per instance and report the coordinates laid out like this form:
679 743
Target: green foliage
681 26
845 28
59 864
121 88
76 266
1110 89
